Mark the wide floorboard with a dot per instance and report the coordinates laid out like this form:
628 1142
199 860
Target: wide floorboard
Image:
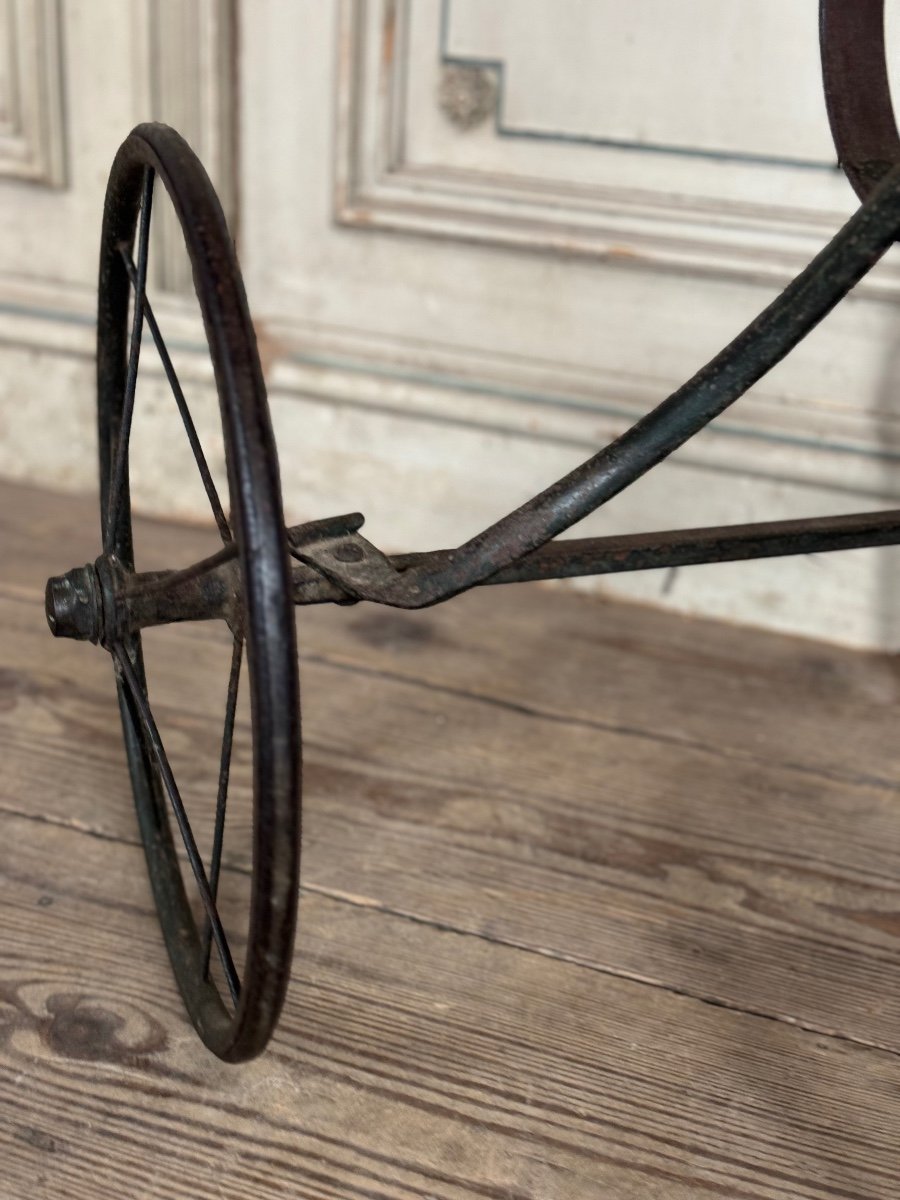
597 901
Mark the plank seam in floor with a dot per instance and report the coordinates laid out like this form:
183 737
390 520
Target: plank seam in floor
373 905
630 731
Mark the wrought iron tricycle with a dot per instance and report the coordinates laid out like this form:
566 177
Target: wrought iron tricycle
263 568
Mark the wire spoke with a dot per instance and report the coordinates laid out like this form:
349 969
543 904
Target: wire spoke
222 795
154 743
114 500
191 429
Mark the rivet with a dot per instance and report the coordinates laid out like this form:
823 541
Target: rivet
348 552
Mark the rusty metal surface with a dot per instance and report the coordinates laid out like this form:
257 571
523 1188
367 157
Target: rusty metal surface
108 602
210 589
251 584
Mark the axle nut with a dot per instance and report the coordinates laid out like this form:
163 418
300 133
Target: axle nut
73 605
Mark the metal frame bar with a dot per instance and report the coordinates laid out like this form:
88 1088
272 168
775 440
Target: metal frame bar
248 584
520 545
780 327
208 590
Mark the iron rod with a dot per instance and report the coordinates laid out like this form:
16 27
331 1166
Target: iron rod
784 323
181 403
117 485
206 590
155 745
652 551
691 547
215 865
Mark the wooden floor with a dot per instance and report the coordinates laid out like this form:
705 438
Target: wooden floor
597 902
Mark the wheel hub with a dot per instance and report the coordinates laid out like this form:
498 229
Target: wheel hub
74 606
89 603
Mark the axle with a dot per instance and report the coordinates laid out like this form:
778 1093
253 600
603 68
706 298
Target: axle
101 602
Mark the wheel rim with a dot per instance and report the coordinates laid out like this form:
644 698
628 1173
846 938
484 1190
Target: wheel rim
268 618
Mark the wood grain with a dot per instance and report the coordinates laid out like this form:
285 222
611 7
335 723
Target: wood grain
678 968
410 1062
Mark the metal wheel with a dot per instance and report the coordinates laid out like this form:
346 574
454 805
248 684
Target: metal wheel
858 90
237 1022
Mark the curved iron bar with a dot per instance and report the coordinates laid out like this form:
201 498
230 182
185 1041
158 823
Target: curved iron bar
348 568
857 90
847 258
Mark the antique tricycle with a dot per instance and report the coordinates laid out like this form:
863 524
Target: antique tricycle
263 568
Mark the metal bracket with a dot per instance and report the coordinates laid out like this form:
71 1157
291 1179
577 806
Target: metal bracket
336 549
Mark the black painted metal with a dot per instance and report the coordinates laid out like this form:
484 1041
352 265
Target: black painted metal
250 585
205 474
260 597
857 90
152 742
690 547
234 675
810 297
